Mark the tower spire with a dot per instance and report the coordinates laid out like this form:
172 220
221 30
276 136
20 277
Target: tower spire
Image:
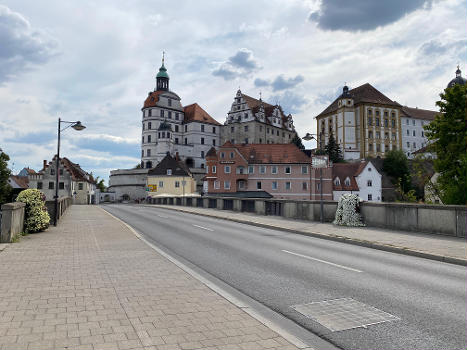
163 56
162 77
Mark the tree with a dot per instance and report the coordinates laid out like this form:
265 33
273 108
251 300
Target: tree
396 165
333 150
448 133
5 173
100 184
297 141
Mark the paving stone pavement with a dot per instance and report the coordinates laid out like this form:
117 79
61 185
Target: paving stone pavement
90 283
452 249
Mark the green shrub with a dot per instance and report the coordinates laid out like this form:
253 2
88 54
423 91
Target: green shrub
36 217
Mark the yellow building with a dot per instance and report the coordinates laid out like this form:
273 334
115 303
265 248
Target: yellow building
170 178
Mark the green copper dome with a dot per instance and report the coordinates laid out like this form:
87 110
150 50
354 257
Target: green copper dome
162 72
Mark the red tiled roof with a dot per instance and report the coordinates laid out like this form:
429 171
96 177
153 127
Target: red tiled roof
194 113
21 181
74 169
347 170
365 93
255 104
152 99
418 113
270 153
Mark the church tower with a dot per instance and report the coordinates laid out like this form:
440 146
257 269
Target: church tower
162 77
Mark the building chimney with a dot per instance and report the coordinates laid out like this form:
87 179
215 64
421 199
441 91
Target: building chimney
45 163
177 157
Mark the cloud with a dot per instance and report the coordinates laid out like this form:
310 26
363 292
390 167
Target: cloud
290 101
113 145
436 47
21 45
280 83
363 15
240 64
261 82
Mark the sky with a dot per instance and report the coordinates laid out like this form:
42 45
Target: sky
96 60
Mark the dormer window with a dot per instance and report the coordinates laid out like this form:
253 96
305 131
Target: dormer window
169 171
337 181
347 182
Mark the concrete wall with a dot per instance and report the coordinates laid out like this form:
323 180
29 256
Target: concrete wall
448 220
12 221
63 204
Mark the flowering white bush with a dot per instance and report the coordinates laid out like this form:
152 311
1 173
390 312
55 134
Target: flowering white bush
36 216
346 213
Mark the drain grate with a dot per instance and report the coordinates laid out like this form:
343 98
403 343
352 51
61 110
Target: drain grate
344 313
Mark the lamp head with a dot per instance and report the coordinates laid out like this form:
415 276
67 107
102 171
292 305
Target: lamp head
78 126
308 137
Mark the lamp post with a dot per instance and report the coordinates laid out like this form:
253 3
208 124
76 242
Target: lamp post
317 164
77 126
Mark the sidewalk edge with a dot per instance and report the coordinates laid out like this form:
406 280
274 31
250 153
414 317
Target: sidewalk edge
362 243
223 293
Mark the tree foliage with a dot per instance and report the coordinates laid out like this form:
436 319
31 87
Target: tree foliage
297 141
100 184
5 173
396 165
448 133
333 150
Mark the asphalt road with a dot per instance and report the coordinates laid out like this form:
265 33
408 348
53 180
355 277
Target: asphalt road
281 270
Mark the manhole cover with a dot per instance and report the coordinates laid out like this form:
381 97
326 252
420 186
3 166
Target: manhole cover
344 313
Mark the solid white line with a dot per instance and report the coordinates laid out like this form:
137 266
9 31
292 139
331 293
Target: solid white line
323 261
204 228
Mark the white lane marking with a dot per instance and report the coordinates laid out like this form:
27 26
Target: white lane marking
204 228
162 216
323 261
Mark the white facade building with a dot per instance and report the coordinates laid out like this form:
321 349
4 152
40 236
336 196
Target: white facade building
168 127
413 134
360 178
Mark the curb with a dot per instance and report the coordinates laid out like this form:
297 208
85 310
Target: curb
367 244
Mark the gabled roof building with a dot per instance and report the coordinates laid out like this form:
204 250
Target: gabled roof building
255 121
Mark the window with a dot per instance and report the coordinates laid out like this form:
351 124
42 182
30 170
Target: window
226 169
262 169
245 116
386 121
377 113
393 123
214 142
231 155
142 153
168 134
143 126
386 136
149 125
214 169
304 169
176 116
177 184
287 170
408 121
186 141
414 145
274 169
304 185
370 112
149 138
393 115
347 181
370 197
378 148
260 140
39 185
378 135
369 169
169 102
61 170
186 128
240 170
52 171
370 134
217 185
227 185
370 121
423 134
288 185
260 128
267 130
413 132
170 114
318 186
370 147
258 185
274 185
251 169
162 113
385 113
377 121
232 129
202 154
176 140
80 186
169 171
61 185
393 135
369 183
245 128
148 153
337 181
222 155
176 128
408 144
277 133
408 132
202 127
202 140
413 121
213 129
161 184
150 113
246 140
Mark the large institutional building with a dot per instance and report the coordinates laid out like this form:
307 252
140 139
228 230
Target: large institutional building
366 123
170 128
254 121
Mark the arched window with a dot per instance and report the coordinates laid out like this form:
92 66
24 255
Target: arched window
347 181
337 181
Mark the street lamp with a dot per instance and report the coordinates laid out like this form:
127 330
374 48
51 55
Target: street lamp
317 164
77 126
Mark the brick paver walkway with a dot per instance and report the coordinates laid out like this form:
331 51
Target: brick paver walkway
91 284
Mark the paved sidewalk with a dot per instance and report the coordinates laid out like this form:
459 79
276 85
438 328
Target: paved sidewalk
92 284
436 247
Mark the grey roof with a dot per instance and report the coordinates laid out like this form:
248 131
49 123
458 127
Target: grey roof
169 162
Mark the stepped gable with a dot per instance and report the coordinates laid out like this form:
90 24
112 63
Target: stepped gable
344 170
169 162
418 113
194 113
261 153
365 93
254 105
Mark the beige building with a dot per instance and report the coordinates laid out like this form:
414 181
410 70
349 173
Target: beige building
170 177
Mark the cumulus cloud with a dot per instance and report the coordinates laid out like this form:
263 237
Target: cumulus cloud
363 14
280 82
290 102
436 47
242 63
21 45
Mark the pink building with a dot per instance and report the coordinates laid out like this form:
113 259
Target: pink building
281 170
